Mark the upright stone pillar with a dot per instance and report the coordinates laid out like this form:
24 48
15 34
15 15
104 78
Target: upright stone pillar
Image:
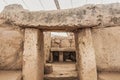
47 46
51 57
61 56
33 57
85 55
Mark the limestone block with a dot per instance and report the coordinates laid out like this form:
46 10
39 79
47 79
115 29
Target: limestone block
61 56
47 46
48 69
65 43
85 55
107 48
11 47
10 75
72 44
64 20
33 55
55 42
109 76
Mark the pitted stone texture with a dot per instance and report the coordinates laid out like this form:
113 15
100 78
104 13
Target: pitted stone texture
107 48
63 42
47 45
86 62
33 55
109 76
69 19
11 47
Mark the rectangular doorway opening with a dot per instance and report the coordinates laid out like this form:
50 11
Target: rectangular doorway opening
61 56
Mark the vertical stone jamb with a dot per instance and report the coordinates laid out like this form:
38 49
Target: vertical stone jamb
47 46
85 55
61 56
51 56
33 57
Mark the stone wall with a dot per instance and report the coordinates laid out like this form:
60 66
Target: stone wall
11 47
107 48
106 44
63 42
109 76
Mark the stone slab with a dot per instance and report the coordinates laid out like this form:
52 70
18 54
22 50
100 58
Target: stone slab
10 75
48 69
11 47
62 71
109 76
33 55
86 61
106 43
64 20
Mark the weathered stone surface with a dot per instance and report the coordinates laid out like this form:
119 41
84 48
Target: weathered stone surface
109 76
10 75
70 19
33 55
85 55
61 56
62 71
107 48
11 47
63 42
48 68
56 41
47 46
64 49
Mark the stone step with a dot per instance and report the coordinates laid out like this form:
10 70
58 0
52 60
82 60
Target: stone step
70 75
10 75
61 78
67 76
62 71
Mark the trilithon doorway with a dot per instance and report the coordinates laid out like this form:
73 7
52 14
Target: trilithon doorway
62 58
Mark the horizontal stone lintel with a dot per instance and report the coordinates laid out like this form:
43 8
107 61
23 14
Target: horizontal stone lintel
63 49
103 15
